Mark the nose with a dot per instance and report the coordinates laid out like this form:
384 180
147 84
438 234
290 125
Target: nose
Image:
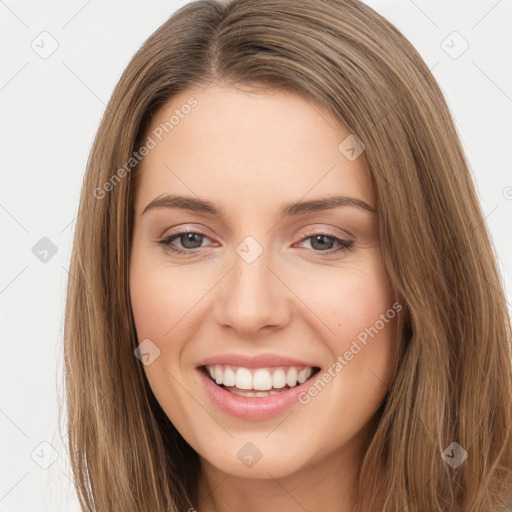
252 297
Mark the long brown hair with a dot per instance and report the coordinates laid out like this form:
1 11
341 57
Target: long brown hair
453 374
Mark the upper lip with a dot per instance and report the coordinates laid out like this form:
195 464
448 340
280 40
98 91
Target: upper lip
255 361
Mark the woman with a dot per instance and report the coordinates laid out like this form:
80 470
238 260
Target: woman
218 355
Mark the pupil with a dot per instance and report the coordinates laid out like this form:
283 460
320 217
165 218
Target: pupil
189 237
322 245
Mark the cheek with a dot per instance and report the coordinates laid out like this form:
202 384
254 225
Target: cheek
161 299
350 389
361 303
357 306
160 315
149 305
352 298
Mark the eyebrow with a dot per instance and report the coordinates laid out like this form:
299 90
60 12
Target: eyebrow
290 209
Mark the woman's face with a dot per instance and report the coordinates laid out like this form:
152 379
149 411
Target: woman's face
264 294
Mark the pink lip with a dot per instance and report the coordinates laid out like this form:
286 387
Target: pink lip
252 408
258 361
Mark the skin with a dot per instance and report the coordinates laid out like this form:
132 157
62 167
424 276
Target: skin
250 153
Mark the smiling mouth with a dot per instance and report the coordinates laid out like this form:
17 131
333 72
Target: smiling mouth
258 382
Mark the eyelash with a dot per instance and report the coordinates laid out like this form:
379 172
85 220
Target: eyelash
345 245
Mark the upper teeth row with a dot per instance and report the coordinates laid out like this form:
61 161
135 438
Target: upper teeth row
261 379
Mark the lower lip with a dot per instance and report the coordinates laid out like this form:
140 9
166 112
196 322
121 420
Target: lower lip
252 408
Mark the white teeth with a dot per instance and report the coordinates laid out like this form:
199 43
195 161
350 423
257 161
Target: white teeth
261 379
291 377
279 379
243 378
229 378
304 375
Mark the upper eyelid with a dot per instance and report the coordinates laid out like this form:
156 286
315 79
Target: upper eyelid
184 232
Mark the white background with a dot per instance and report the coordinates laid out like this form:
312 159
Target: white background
50 110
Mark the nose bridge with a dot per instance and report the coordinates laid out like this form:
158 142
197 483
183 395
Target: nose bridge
252 297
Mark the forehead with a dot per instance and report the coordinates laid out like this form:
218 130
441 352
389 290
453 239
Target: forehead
249 148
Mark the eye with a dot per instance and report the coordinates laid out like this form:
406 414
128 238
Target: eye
191 242
323 242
